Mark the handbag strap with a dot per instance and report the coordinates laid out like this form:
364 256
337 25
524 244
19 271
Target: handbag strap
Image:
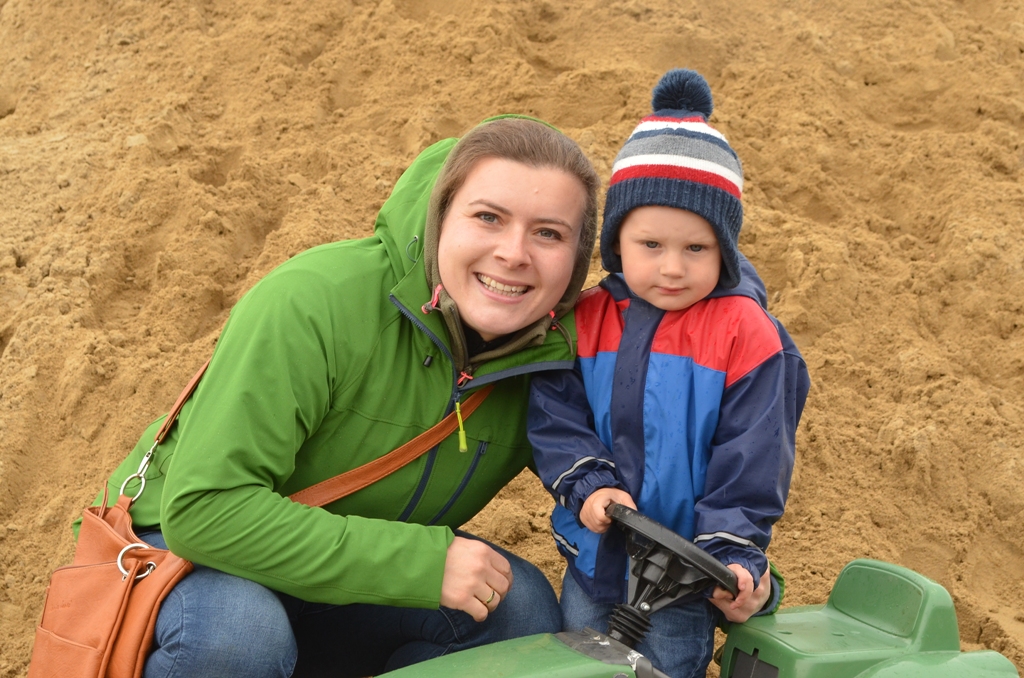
346 483
186 393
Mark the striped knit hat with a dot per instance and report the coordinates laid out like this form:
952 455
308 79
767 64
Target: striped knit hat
674 158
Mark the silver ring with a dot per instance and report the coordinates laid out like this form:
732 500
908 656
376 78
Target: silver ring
142 485
150 566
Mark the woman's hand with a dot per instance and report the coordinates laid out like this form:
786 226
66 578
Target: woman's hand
749 601
476 578
592 515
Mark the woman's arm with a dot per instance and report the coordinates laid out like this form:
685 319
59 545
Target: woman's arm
268 388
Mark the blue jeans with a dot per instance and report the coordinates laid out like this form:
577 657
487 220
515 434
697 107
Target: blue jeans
216 624
680 642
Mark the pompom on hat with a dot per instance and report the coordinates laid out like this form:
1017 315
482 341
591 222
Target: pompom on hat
674 158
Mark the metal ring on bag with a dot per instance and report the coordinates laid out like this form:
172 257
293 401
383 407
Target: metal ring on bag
142 485
150 566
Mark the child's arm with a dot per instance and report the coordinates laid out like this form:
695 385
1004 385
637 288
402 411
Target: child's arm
752 452
571 460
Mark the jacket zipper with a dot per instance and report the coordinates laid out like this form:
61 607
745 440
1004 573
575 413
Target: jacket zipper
457 392
481 450
432 455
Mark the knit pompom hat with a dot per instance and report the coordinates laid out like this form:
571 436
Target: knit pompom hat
674 158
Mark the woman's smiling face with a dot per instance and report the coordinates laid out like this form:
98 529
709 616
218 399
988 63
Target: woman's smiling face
508 244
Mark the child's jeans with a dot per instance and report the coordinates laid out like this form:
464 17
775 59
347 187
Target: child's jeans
680 642
216 624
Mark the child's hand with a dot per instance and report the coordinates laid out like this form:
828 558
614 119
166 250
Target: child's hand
749 601
592 515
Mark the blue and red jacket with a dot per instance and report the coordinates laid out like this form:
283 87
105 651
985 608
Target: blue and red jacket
693 413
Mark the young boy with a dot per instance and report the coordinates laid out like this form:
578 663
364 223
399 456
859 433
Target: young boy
686 395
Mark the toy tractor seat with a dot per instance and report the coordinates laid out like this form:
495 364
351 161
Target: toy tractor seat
876 612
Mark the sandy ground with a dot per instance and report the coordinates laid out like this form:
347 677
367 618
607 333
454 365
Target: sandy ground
157 158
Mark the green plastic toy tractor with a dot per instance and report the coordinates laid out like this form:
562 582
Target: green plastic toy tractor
880 621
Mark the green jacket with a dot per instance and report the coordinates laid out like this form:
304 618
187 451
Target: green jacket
326 364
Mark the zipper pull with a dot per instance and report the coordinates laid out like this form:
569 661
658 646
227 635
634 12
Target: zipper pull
464 377
432 304
555 325
463 446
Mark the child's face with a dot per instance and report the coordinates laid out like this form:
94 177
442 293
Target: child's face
670 257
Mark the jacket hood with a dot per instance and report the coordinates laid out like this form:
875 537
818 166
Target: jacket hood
750 285
409 226
401 220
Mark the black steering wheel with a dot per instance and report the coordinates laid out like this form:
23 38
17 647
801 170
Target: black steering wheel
663 565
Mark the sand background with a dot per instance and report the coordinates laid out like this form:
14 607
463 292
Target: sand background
159 157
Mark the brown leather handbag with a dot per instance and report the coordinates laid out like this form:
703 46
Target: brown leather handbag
100 611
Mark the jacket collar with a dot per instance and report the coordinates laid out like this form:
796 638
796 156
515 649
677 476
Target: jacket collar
537 344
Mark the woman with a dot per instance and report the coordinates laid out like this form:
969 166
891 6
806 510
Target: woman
337 357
